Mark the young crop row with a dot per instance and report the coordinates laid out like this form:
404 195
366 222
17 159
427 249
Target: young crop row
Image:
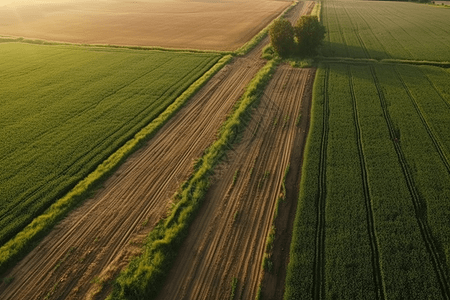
52 141
386 30
143 276
374 196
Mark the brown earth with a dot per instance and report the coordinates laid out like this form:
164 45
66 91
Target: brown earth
227 239
201 24
88 248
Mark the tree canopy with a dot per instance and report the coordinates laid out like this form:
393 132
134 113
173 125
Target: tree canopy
310 34
282 37
303 39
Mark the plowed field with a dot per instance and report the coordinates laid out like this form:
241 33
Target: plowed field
205 24
99 237
227 240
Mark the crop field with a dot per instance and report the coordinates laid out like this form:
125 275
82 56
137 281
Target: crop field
66 109
346 162
205 24
386 30
374 206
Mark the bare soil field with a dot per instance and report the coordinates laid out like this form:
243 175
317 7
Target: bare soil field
89 247
202 24
227 239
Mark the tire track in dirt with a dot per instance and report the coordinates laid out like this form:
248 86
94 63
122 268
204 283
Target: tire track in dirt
96 240
227 239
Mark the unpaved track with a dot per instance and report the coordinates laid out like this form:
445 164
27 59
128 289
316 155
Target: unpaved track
227 239
98 238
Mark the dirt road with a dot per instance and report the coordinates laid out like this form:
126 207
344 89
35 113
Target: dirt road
227 239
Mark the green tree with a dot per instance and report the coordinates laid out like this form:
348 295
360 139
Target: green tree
310 34
282 37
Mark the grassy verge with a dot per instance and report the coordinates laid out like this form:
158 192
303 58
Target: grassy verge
6 39
317 10
26 239
144 276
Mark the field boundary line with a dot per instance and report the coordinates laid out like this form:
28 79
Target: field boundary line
37 229
351 60
14 39
419 206
318 286
429 130
378 278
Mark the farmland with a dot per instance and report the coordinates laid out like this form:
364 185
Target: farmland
373 211
65 110
87 249
205 208
205 24
226 239
380 201
386 30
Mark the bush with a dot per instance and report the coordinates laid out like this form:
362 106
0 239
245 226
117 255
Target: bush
282 37
310 34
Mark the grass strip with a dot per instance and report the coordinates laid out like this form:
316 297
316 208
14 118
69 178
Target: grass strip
144 276
364 61
30 235
7 39
317 10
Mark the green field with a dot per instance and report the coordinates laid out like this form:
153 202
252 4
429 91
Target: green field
386 30
65 109
375 197
374 204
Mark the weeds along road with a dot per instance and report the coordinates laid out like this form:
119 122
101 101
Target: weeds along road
97 239
227 239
